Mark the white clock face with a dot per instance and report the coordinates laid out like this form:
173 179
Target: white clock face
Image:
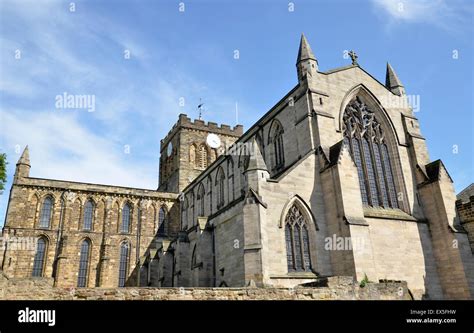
213 141
169 149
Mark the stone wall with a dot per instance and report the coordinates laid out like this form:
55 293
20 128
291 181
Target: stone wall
65 232
178 170
465 212
334 288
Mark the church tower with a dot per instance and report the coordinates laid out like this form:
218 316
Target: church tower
189 148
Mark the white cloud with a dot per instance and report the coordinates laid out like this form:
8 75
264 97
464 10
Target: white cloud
449 15
61 148
414 10
136 101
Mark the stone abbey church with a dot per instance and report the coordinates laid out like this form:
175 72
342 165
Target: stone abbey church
334 180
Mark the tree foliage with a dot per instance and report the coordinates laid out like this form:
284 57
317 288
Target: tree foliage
3 171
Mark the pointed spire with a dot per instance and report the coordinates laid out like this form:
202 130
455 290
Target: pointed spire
305 51
306 64
25 157
393 83
22 166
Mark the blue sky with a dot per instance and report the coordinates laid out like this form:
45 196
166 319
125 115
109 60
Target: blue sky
190 55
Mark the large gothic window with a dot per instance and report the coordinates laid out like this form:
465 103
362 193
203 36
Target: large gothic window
126 217
365 138
38 264
84 263
297 241
88 215
162 223
124 261
200 200
276 140
220 180
46 212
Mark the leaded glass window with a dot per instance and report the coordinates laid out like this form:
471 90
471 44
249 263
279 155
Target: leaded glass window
46 212
88 215
298 252
126 215
162 223
38 264
83 264
124 261
276 138
230 173
364 136
289 247
220 179
209 193
389 174
200 200
306 251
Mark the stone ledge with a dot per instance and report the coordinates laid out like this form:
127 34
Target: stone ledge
334 288
392 214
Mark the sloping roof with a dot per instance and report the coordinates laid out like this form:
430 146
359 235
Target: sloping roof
465 194
433 170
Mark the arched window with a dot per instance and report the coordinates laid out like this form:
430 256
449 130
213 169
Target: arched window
276 140
38 264
84 263
88 215
192 155
162 223
364 136
200 200
209 193
220 180
124 262
298 253
126 214
46 212
230 173
202 156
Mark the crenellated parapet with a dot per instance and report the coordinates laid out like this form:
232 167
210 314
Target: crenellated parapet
200 125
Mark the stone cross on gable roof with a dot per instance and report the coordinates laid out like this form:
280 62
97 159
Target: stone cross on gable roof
353 56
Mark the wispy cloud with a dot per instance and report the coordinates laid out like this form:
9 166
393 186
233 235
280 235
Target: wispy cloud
62 148
448 15
137 99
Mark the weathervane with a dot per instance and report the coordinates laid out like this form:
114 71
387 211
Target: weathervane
200 108
353 56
